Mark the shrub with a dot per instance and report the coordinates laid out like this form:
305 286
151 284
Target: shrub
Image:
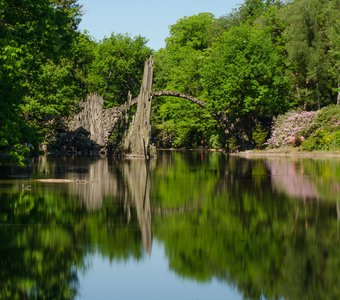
231 144
324 131
214 141
319 140
290 126
327 118
335 140
259 136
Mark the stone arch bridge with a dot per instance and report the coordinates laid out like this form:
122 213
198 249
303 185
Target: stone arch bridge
100 122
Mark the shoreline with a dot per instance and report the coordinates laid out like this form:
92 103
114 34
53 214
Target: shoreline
267 153
288 153
279 152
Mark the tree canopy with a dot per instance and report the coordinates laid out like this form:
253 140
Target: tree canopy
37 78
259 61
117 67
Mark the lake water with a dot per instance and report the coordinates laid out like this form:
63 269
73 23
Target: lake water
189 225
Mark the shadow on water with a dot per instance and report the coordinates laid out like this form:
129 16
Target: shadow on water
269 228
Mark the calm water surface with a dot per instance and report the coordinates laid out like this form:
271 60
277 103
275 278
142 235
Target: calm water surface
185 226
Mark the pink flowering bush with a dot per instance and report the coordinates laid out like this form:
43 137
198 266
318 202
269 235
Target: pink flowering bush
290 128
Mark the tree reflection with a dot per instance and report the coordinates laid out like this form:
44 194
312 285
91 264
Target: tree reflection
232 219
36 261
49 230
257 237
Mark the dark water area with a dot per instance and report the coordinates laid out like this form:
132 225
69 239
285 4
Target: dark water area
189 225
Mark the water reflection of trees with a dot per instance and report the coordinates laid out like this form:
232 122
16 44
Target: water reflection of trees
305 179
250 233
37 256
222 218
50 229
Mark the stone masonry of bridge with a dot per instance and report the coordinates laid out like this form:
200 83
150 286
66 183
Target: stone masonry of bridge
137 141
99 122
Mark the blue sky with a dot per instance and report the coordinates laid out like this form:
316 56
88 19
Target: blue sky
148 18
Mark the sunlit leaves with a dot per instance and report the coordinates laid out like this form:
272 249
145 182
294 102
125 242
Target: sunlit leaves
244 76
37 76
193 32
310 36
178 123
118 67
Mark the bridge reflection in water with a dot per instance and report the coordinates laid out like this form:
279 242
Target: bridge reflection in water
235 220
92 181
129 182
137 194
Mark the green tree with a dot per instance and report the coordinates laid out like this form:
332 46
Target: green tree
178 123
56 92
334 51
250 10
194 32
310 48
118 67
244 78
35 39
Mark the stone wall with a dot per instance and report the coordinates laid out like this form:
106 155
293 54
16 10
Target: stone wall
88 132
99 122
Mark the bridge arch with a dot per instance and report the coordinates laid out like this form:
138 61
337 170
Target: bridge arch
219 117
179 95
136 140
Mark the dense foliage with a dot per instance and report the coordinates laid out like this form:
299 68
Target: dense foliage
47 67
324 132
38 82
263 59
117 67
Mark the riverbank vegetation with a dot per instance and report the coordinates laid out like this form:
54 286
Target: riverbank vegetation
314 130
260 61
